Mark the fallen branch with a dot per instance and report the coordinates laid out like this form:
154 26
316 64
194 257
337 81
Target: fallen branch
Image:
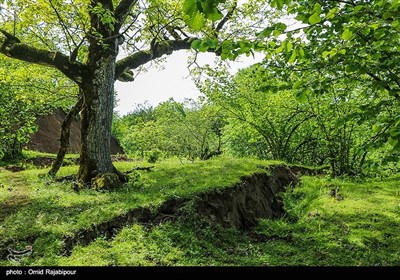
148 169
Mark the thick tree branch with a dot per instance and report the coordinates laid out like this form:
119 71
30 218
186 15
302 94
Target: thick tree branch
13 48
122 11
142 57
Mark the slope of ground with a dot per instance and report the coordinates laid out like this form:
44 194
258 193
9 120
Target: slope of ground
46 138
358 225
326 222
51 212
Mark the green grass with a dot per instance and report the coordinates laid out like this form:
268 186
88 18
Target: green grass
29 155
358 226
40 207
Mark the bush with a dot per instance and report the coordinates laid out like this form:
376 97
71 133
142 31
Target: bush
153 155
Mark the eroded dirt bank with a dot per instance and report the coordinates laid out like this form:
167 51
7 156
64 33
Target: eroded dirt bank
239 206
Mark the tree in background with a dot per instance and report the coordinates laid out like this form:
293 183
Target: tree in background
269 119
82 40
27 92
264 107
191 129
341 42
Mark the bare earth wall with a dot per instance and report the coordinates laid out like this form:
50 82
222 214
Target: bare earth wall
46 138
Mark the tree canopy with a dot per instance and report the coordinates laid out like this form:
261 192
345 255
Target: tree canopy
82 40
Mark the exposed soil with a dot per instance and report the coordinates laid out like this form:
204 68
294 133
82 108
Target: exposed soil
46 138
239 206
253 198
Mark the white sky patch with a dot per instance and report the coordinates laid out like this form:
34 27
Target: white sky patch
158 85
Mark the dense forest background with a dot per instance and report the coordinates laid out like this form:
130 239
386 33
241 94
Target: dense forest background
326 94
256 114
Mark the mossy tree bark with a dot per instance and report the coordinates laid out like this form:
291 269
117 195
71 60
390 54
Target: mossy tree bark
98 93
96 119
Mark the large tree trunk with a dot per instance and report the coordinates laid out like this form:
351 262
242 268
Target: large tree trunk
96 118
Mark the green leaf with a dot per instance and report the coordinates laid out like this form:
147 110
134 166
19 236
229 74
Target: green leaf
301 96
393 142
211 12
380 33
301 18
325 54
279 50
280 26
317 8
190 7
196 44
192 15
351 67
387 15
331 14
289 46
212 43
278 4
293 57
358 8
346 35
276 29
276 32
301 52
204 46
395 4
375 128
197 22
272 44
314 18
395 131
297 84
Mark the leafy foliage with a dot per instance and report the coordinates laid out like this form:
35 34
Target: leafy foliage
26 93
338 42
197 11
191 130
279 116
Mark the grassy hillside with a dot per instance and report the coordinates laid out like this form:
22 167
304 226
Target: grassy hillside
35 207
327 222
360 226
